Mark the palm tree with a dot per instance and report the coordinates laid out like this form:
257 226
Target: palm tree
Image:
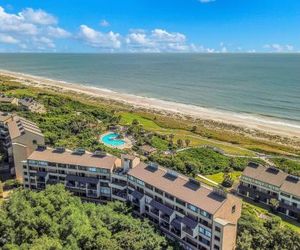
179 143
274 204
187 142
1 189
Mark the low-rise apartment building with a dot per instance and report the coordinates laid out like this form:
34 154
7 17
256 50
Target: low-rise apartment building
185 210
19 138
262 184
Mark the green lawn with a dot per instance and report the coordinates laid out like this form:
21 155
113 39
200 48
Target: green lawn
195 140
219 176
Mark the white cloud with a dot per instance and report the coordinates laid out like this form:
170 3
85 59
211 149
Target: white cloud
44 42
104 23
157 40
98 39
38 16
58 32
164 36
30 29
206 1
7 39
275 47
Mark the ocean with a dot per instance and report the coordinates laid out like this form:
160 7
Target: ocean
262 85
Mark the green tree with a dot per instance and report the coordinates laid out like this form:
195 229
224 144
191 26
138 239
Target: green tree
194 129
55 219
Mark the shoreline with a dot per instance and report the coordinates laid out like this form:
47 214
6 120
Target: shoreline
243 120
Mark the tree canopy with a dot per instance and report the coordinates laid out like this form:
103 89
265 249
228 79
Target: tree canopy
54 219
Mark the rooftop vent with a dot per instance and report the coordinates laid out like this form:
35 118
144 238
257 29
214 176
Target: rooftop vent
272 170
79 151
253 164
192 184
171 175
41 147
220 191
292 178
99 153
59 150
152 166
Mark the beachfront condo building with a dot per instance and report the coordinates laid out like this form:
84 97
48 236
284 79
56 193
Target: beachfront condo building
19 138
264 184
196 216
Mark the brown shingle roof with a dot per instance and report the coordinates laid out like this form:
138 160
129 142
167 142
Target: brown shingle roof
268 175
25 125
67 157
286 183
291 185
202 197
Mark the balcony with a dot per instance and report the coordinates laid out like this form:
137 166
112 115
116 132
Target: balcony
155 211
166 212
190 226
256 194
188 231
118 185
289 207
165 225
92 194
165 217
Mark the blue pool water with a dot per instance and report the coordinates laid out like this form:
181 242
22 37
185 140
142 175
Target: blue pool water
110 139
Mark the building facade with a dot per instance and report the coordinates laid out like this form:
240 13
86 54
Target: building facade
19 138
185 210
263 184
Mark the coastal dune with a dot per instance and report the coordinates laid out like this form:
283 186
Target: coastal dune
268 125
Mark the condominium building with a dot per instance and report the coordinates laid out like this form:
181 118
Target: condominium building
262 184
19 138
195 215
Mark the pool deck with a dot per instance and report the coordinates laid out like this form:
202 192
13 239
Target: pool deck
127 144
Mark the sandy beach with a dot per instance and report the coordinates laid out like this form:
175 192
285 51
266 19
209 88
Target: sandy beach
268 125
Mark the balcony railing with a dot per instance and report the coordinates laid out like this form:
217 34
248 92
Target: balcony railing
165 217
188 231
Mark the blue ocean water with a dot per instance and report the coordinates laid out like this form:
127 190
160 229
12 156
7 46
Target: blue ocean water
257 84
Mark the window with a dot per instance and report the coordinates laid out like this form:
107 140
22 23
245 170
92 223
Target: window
285 195
216 247
217 229
159 191
233 209
105 190
82 168
170 197
140 182
207 233
193 208
72 166
217 238
149 186
181 202
34 142
205 214
295 198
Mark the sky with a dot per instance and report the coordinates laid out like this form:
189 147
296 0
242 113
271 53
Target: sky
195 26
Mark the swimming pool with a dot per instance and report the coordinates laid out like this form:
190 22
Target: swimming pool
111 140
